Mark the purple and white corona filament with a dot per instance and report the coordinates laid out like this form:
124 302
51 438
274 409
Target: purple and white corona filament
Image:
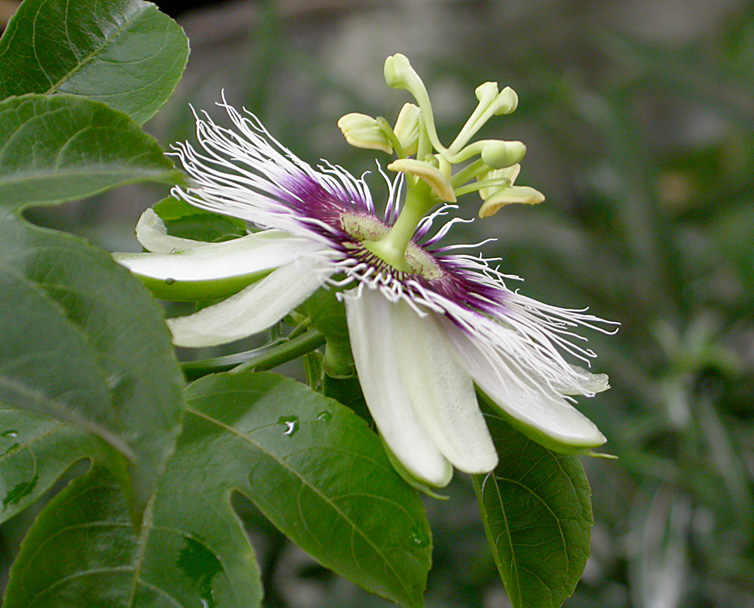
421 336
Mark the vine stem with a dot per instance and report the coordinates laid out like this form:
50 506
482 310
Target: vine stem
259 359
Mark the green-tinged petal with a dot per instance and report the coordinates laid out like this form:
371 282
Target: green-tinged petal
214 270
442 392
373 342
250 311
152 234
589 383
543 415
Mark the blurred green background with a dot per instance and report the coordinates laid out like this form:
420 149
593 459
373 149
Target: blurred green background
639 121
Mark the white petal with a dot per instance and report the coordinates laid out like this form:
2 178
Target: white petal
153 235
249 311
539 411
248 255
373 343
442 392
588 383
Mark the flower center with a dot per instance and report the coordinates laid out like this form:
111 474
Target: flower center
367 229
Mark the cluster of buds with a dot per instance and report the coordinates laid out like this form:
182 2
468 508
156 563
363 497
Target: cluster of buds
487 166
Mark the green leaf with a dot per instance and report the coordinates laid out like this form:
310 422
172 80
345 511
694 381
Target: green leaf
82 341
537 514
34 452
310 465
185 221
61 148
83 551
320 475
125 53
328 316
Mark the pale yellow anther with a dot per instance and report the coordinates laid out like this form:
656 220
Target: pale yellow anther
506 102
363 131
407 128
510 195
500 154
436 179
497 179
485 93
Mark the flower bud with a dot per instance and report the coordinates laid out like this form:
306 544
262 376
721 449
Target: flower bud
363 131
500 154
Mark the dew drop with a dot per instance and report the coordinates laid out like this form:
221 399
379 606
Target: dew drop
418 539
290 423
169 281
324 416
9 433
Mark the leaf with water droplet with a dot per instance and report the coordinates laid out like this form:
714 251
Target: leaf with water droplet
36 448
331 490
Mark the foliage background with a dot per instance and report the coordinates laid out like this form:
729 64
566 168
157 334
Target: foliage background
639 121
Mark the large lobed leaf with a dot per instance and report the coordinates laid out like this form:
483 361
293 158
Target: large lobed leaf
311 465
537 514
34 452
125 53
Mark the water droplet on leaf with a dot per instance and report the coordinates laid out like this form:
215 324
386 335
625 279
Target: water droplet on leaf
290 423
419 539
169 281
10 433
324 416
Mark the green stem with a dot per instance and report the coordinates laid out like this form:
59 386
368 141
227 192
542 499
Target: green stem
470 171
264 358
288 351
392 247
387 130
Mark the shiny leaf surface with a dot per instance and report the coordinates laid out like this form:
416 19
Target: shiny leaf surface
125 53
